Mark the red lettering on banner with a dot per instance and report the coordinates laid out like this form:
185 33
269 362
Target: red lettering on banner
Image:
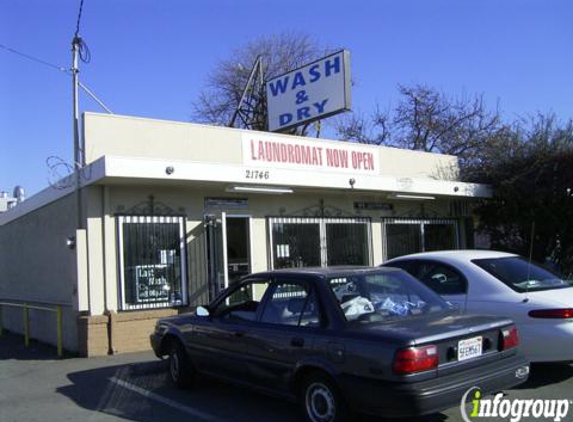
369 161
253 151
362 160
317 156
305 155
308 155
291 158
336 158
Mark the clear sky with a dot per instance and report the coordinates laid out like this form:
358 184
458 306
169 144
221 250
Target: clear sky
151 58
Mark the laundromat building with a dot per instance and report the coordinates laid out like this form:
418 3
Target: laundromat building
169 213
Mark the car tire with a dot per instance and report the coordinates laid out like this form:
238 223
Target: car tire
321 400
180 367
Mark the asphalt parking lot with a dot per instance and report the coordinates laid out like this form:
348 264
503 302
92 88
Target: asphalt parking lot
34 386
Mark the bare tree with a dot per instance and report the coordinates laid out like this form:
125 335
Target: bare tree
531 173
427 120
226 83
358 127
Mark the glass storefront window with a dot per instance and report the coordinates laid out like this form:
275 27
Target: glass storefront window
310 242
439 237
347 244
405 236
402 239
296 244
152 261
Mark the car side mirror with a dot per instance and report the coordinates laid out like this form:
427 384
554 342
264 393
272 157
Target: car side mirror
202 311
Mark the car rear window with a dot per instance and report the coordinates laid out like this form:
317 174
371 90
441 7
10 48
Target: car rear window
521 275
383 295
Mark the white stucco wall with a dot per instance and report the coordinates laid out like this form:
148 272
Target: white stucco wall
37 266
189 201
126 136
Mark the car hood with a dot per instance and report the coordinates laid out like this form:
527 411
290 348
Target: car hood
430 328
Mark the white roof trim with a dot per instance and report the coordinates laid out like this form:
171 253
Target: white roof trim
111 167
144 168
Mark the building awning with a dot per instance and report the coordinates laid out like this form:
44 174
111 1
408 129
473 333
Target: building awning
132 170
115 169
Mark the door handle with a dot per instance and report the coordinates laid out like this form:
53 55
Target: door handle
239 334
297 342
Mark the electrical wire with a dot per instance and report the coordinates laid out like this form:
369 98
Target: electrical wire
35 59
83 52
79 19
61 69
83 49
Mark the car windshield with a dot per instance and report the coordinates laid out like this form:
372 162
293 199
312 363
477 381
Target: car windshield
521 275
383 295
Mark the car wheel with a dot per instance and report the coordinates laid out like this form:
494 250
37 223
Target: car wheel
180 368
321 400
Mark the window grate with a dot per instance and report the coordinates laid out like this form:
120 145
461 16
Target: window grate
152 262
315 242
403 236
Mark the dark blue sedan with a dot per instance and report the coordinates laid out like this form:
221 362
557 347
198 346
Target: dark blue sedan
338 340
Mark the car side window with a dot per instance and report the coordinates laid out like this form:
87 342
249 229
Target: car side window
242 304
292 304
442 279
403 265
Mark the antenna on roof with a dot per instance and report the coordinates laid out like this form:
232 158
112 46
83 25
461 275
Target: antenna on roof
530 255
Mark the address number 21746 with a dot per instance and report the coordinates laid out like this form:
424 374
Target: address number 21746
257 174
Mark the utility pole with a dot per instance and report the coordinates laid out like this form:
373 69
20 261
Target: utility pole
78 150
78 162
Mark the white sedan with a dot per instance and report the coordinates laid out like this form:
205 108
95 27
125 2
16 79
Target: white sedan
499 283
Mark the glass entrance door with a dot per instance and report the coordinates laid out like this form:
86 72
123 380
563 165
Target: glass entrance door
228 249
216 257
238 247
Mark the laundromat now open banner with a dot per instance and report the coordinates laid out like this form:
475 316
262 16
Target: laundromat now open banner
269 151
315 91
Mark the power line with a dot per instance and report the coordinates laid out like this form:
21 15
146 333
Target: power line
61 69
79 19
35 59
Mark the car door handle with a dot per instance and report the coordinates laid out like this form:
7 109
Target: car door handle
297 342
239 334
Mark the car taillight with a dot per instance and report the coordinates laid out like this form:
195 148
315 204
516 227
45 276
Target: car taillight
415 359
552 313
510 338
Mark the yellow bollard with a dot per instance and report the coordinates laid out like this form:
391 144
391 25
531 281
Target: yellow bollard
26 326
59 331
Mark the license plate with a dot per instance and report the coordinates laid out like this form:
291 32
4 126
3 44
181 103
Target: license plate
469 348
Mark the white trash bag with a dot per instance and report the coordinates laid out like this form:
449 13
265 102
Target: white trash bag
356 307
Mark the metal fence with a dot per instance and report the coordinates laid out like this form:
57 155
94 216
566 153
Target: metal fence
26 307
